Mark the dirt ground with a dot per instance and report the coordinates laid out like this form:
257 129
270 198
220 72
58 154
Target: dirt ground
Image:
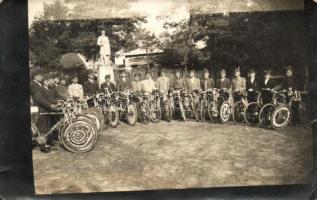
178 155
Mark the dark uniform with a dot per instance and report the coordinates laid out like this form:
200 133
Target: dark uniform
207 83
267 95
107 86
254 85
178 83
123 84
223 84
90 87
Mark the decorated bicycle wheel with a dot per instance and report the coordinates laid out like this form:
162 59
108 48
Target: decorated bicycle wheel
266 114
97 117
212 110
238 112
79 136
131 114
281 117
155 111
225 112
113 116
251 113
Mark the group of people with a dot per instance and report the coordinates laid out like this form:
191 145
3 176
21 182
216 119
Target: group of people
47 90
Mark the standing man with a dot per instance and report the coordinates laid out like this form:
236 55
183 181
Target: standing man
90 85
252 86
148 85
107 87
192 83
268 85
238 85
223 82
290 86
163 82
136 85
75 89
123 82
207 82
103 42
178 82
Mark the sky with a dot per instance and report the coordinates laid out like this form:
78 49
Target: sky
158 12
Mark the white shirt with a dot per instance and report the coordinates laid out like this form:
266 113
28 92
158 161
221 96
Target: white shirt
252 79
75 90
148 85
266 80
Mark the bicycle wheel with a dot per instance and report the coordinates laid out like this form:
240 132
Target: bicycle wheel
131 114
182 111
143 113
79 136
237 112
281 117
251 113
225 112
113 116
212 110
194 110
96 116
202 111
155 111
168 112
266 114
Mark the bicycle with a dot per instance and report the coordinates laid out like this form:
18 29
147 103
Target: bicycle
176 103
206 97
104 103
239 107
277 113
125 106
190 103
252 110
76 133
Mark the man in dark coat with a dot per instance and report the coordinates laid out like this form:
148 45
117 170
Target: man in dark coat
252 86
290 86
90 85
123 82
107 87
267 86
206 82
223 82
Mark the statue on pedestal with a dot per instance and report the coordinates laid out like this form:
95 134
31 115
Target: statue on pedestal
103 42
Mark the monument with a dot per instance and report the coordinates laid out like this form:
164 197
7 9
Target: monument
104 64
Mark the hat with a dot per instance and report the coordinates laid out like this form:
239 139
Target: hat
267 71
206 70
252 70
237 69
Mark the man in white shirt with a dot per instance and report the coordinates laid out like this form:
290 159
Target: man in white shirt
104 44
163 82
75 89
148 85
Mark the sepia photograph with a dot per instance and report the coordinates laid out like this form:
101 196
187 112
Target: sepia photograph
131 95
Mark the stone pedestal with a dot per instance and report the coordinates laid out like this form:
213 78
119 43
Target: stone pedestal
104 70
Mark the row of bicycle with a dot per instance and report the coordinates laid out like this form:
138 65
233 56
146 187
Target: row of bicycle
212 105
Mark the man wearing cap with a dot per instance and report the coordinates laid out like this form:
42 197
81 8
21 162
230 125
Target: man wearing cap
124 82
206 82
136 84
107 87
90 85
192 83
178 82
252 86
163 82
